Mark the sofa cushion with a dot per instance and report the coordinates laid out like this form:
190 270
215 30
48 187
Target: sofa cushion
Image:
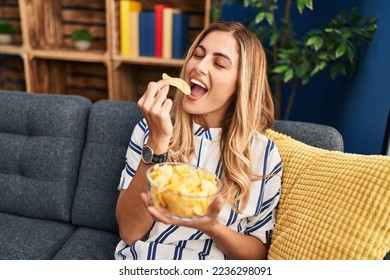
109 130
333 205
41 141
31 239
89 244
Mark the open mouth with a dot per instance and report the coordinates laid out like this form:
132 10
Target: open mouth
197 88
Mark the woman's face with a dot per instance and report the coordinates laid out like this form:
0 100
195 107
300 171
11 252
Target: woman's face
212 75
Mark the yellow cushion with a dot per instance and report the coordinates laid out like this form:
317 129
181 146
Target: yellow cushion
333 205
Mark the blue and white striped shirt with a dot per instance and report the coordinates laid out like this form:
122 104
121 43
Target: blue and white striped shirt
257 219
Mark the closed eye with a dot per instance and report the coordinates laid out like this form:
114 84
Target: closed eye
199 52
219 65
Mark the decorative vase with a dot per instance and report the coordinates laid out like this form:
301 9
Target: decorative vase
5 39
82 45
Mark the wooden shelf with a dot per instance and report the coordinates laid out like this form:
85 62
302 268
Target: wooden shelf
10 49
149 61
71 55
48 63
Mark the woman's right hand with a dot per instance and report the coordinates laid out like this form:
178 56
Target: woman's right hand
156 107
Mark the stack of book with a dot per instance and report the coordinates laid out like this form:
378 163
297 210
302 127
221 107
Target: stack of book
161 33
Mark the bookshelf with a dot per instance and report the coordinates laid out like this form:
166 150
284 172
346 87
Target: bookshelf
42 57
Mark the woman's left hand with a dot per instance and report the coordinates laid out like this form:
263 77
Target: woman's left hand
204 223
234 245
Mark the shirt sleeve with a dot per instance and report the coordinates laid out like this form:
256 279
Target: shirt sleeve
133 154
267 196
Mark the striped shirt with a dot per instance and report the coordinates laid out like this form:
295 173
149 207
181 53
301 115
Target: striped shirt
257 219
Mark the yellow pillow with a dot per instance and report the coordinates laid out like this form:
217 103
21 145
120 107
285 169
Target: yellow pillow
333 205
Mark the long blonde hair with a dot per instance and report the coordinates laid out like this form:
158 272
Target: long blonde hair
251 111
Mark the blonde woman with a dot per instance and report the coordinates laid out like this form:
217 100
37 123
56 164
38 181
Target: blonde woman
219 126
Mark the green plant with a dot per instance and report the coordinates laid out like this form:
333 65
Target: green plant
216 7
81 35
294 61
7 28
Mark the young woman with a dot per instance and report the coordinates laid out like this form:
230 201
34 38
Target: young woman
219 126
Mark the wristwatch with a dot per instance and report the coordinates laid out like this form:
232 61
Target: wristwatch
148 156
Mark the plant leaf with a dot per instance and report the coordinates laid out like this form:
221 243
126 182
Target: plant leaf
270 18
309 4
336 69
260 17
300 5
280 68
318 68
274 38
340 51
317 41
288 75
351 54
347 35
372 27
324 56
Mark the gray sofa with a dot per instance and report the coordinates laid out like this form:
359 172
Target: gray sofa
60 164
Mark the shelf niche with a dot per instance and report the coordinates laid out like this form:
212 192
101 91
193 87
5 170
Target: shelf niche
9 11
50 23
69 77
12 73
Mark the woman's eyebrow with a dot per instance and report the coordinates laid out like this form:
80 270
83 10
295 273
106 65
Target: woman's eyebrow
201 47
217 54
224 56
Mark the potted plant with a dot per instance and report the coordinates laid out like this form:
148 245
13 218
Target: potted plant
82 39
7 30
294 61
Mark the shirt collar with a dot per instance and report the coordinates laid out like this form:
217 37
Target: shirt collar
212 134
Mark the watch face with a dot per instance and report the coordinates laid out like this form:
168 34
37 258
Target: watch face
147 154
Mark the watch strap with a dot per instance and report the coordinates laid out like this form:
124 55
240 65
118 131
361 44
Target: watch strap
160 158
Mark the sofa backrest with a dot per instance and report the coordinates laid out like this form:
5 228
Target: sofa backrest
41 142
316 135
110 127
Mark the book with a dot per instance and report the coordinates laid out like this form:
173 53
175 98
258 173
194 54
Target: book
180 30
125 7
124 26
134 35
167 31
158 10
146 33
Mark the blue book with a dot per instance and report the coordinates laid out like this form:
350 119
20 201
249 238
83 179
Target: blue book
180 28
146 34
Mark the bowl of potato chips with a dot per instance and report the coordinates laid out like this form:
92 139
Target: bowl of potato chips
182 191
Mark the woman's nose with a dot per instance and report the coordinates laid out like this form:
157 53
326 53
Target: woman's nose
201 67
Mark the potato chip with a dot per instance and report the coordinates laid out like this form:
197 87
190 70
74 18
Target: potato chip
182 190
179 83
162 176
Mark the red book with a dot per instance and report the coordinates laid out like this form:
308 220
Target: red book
158 13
